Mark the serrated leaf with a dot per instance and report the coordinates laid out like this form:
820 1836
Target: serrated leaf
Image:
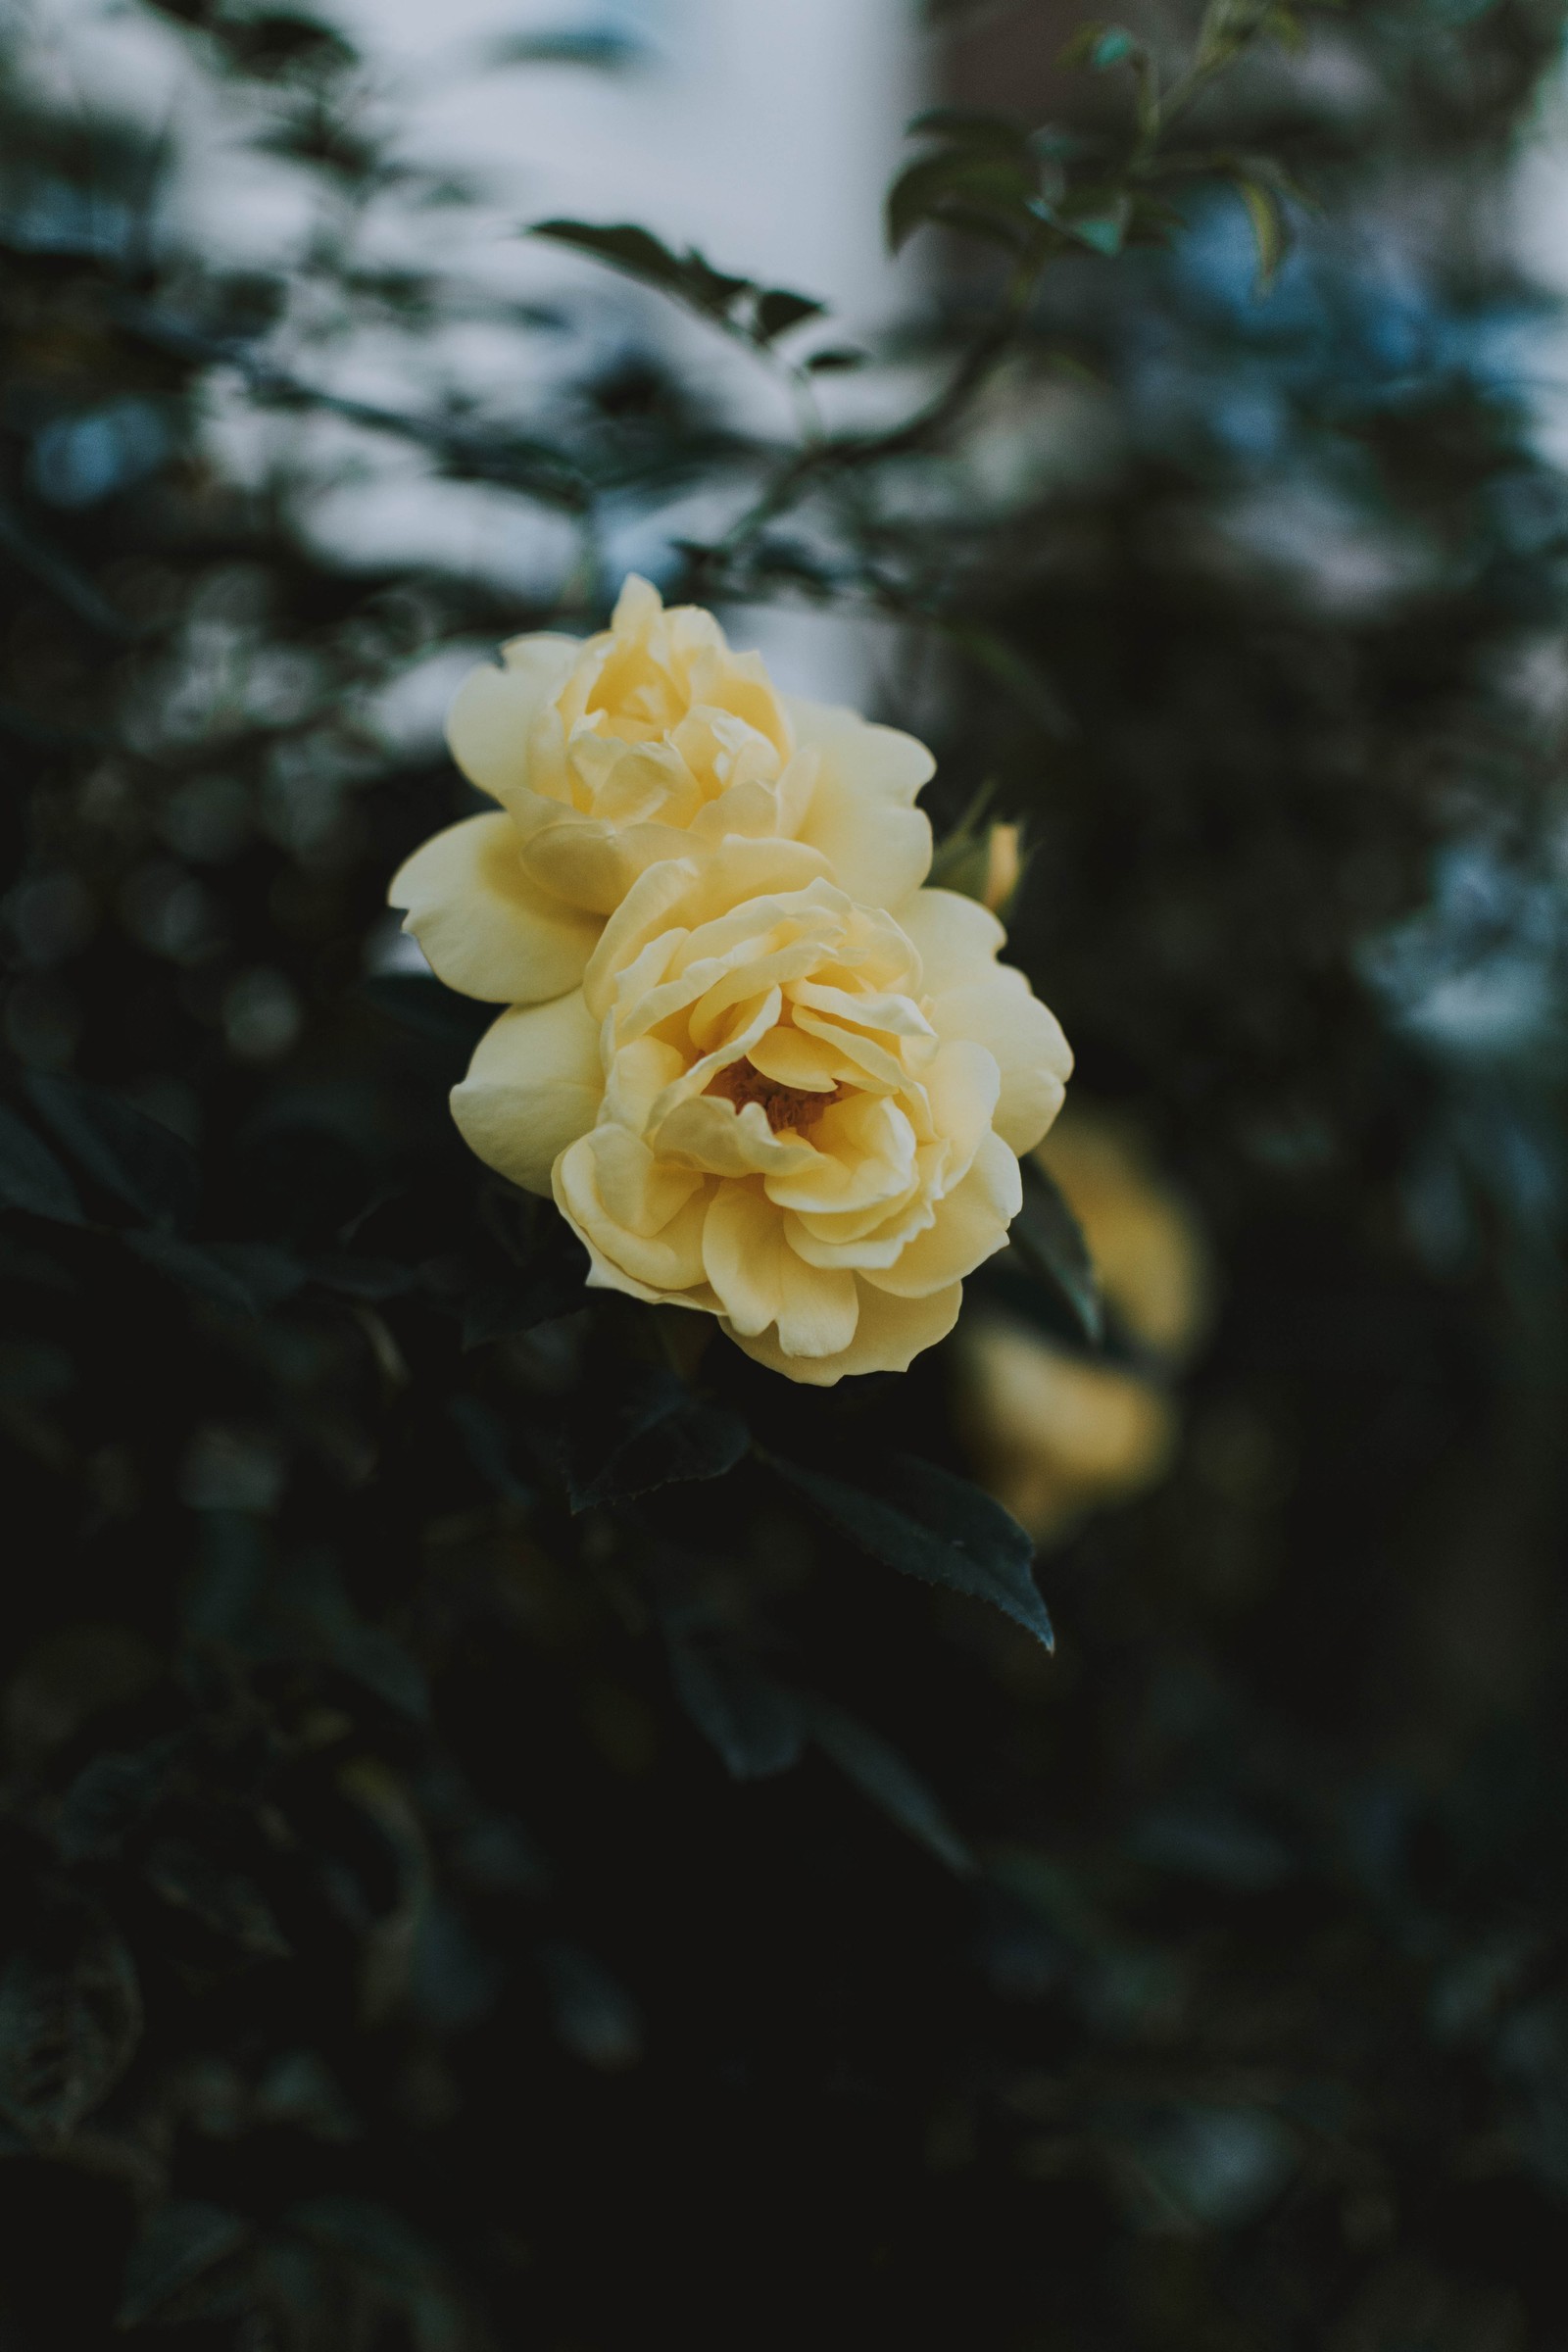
179 2244
652 1432
880 1773
1049 1242
119 1148
778 309
931 1525
69 2021
31 1176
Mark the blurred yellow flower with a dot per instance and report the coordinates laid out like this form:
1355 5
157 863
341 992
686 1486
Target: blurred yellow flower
1055 1435
610 753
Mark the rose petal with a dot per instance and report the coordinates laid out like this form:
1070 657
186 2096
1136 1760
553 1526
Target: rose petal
862 815
969 1225
533 1087
759 1281
889 1334
495 710
485 927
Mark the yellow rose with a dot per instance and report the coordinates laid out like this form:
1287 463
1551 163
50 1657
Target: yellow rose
778 1105
612 754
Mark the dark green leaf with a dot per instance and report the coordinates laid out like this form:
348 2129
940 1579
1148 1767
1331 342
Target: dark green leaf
361 1276
649 1432
1049 1242
31 1176
484 1434
420 1002
69 2020
686 276
758 1725
179 2242
112 1795
883 1775
554 1285
246 1277
778 311
934 1526
129 1155
221 1899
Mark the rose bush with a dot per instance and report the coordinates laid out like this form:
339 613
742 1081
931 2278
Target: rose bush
610 753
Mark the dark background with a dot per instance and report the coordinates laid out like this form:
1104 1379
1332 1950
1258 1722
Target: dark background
391 1960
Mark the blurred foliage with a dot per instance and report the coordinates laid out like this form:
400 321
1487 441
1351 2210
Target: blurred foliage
495 1852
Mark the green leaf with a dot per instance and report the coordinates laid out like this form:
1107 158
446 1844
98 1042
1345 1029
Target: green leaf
985 191
552 1285
179 2244
880 1773
637 253
69 2020
1049 1242
31 1176
1268 229
246 1277
650 1432
757 1724
420 1002
778 311
129 1155
929 1524
221 1899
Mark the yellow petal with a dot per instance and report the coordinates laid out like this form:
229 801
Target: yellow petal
971 996
862 813
889 1334
485 927
969 1225
643 1221
759 1281
533 1087
495 710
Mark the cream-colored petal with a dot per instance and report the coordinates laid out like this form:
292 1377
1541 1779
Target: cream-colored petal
644 1221
759 1281
485 927
743 1255
1001 1012
494 712
970 995
889 1334
862 813
709 1134
586 862
957 938
533 1087
969 1226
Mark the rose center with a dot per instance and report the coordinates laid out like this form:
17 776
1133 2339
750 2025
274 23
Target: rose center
796 1106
